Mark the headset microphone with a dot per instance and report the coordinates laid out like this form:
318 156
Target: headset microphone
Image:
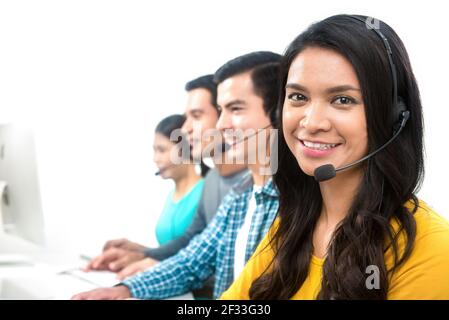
328 171
227 146
163 169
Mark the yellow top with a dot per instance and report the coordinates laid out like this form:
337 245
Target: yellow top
424 275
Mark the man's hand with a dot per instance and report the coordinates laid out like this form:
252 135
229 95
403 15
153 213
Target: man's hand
114 259
136 267
123 244
115 293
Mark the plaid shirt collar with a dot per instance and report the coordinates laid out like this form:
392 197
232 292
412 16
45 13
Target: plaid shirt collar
237 206
246 184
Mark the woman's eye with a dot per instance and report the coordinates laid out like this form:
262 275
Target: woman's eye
296 97
343 100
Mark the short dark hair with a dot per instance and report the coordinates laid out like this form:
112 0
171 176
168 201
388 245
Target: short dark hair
266 82
205 82
264 67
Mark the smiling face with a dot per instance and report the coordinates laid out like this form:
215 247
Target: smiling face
323 113
242 116
201 116
162 148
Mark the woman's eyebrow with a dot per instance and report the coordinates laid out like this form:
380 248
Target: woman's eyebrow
341 88
295 86
345 87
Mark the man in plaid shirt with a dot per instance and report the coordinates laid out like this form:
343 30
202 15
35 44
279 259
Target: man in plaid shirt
247 95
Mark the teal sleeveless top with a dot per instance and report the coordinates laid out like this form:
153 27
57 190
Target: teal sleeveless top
177 216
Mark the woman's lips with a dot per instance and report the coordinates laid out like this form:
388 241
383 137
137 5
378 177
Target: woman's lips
317 150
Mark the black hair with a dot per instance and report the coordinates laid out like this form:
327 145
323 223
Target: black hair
390 179
205 82
265 76
167 125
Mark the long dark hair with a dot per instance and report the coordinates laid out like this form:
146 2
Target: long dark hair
390 179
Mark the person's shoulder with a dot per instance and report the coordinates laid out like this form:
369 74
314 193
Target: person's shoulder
197 189
243 184
212 175
432 235
234 197
423 275
429 223
200 183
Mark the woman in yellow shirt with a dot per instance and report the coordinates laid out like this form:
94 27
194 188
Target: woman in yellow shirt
351 102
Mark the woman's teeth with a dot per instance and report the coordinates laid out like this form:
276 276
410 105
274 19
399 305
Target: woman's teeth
319 146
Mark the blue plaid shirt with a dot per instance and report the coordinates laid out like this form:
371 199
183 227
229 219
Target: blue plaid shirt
212 251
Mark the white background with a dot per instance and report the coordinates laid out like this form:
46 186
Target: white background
95 77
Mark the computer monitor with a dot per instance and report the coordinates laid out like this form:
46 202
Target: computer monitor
21 206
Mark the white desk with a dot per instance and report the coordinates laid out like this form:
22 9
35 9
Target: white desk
37 273
31 272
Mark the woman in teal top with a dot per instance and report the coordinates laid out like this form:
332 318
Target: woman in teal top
182 202
177 215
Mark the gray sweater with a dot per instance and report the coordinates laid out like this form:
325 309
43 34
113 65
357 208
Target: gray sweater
214 190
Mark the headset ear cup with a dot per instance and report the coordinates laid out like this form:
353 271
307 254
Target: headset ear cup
400 108
274 117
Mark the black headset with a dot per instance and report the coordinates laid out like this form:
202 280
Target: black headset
399 106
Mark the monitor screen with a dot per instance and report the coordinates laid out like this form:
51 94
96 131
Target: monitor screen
21 209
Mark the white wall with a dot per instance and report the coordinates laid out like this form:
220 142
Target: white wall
94 77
